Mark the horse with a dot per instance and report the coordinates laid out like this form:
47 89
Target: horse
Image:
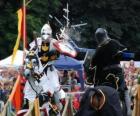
39 84
110 80
100 101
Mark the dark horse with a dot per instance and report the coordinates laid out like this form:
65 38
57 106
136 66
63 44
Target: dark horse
100 101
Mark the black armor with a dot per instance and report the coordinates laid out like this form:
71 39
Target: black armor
107 59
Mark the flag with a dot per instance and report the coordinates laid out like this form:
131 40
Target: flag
21 30
20 18
17 97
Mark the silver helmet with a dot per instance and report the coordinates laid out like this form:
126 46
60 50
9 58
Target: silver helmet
46 32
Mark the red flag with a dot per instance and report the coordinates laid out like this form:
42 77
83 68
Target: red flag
18 94
23 27
21 30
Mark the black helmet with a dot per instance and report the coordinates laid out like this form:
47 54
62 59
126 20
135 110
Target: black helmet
101 35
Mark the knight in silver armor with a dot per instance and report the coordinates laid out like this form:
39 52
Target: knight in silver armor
46 81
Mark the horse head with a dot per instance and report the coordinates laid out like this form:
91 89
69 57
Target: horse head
31 63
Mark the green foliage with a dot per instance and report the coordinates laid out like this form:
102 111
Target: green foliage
37 14
120 17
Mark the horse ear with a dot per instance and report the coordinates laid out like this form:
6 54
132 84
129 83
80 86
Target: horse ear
97 100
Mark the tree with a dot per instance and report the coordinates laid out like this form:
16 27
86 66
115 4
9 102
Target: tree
121 18
37 14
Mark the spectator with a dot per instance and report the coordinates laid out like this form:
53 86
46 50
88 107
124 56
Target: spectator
73 85
126 70
64 79
131 67
76 103
136 93
1 105
74 76
131 71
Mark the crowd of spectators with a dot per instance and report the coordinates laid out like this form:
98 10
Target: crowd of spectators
8 77
69 79
132 75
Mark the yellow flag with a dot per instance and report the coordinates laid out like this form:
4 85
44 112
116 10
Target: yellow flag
20 15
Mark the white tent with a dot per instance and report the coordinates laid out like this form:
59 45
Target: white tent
18 61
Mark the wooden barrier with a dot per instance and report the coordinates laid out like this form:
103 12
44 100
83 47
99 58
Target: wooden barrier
36 107
68 109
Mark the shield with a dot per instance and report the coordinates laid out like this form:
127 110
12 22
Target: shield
65 47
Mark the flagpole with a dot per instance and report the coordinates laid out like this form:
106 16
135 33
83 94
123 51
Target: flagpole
24 28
